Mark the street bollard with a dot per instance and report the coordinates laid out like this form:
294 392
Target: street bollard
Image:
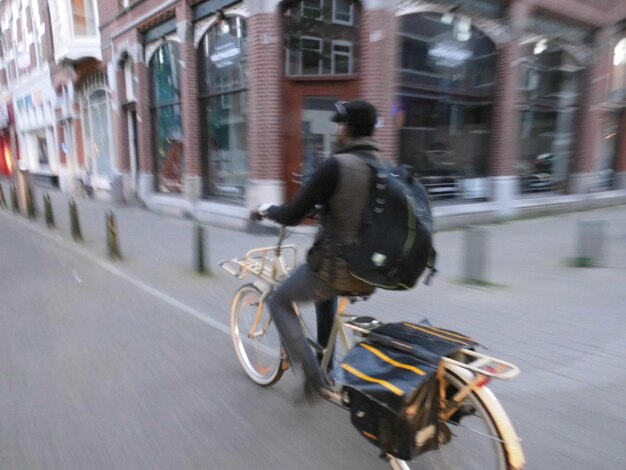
590 250
112 239
14 204
30 204
47 205
476 239
74 222
198 252
3 201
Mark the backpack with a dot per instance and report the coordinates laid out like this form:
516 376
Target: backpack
395 239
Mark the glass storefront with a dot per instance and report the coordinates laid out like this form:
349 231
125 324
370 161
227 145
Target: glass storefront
224 103
321 37
167 118
551 85
444 103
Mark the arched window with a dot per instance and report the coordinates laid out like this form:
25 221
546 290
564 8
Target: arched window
550 98
97 133
444 103
222 59
321 37
167 118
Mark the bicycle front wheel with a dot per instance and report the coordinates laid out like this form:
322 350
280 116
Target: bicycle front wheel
255 337
473 441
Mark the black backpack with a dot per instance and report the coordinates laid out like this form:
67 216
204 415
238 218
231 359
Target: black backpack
395 239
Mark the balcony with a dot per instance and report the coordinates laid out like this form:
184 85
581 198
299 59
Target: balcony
75 30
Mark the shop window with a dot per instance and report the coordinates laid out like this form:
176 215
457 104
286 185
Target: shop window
342 11
549 97
325 44
84 17
222 58
444 104
167 118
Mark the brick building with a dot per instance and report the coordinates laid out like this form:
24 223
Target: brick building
209 107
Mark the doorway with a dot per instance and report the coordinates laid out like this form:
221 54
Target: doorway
309 133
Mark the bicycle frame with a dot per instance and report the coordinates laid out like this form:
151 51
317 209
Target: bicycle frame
269 265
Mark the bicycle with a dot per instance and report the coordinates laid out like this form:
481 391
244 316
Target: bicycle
483 439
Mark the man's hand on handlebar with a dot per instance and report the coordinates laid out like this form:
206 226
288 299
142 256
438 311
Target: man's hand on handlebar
260 212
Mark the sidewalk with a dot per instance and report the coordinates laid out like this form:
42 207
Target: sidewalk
565 327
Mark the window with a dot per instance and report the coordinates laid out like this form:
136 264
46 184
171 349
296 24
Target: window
167 118
312 9
342 57
84 17
96 122
342 11
444 105
222 61
42 149
310 56
130 80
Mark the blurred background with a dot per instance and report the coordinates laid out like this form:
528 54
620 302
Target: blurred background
169 110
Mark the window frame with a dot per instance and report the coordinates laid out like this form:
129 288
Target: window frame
321 10
350 55
320 62
342 22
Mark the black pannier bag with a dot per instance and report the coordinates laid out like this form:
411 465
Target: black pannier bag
391 384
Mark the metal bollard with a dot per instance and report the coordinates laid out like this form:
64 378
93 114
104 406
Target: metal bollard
3 201
47 205
591 243
30 204
112 244
14 204
476 239
75 224
198 252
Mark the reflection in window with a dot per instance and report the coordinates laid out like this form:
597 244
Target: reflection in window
97 134
84 17
222 57
342 11
324 44
444 104
312 9
550 99
167 118
342 57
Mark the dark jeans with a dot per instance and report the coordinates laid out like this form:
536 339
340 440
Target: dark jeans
302 286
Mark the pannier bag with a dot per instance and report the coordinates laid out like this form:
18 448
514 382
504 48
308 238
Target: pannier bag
391 383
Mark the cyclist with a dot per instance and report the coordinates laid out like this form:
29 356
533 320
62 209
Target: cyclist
340 186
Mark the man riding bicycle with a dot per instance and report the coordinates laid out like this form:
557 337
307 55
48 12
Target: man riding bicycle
341 187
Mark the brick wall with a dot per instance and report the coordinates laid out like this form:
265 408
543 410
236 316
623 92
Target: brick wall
189 99
265 104
120 124
144 124
505 116
378 72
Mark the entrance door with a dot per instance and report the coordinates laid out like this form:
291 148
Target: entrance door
310 135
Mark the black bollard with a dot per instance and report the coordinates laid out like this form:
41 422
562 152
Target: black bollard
3 201
198 257
14 204
47 204
76 234
30 204
114 249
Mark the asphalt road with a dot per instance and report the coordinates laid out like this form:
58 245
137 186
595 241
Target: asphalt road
130 366
96 373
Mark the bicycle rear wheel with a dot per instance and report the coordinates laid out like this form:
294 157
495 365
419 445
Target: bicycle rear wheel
255 337
475 442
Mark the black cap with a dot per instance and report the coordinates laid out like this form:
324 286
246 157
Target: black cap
356 113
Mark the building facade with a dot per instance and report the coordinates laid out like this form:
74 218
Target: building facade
211 107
